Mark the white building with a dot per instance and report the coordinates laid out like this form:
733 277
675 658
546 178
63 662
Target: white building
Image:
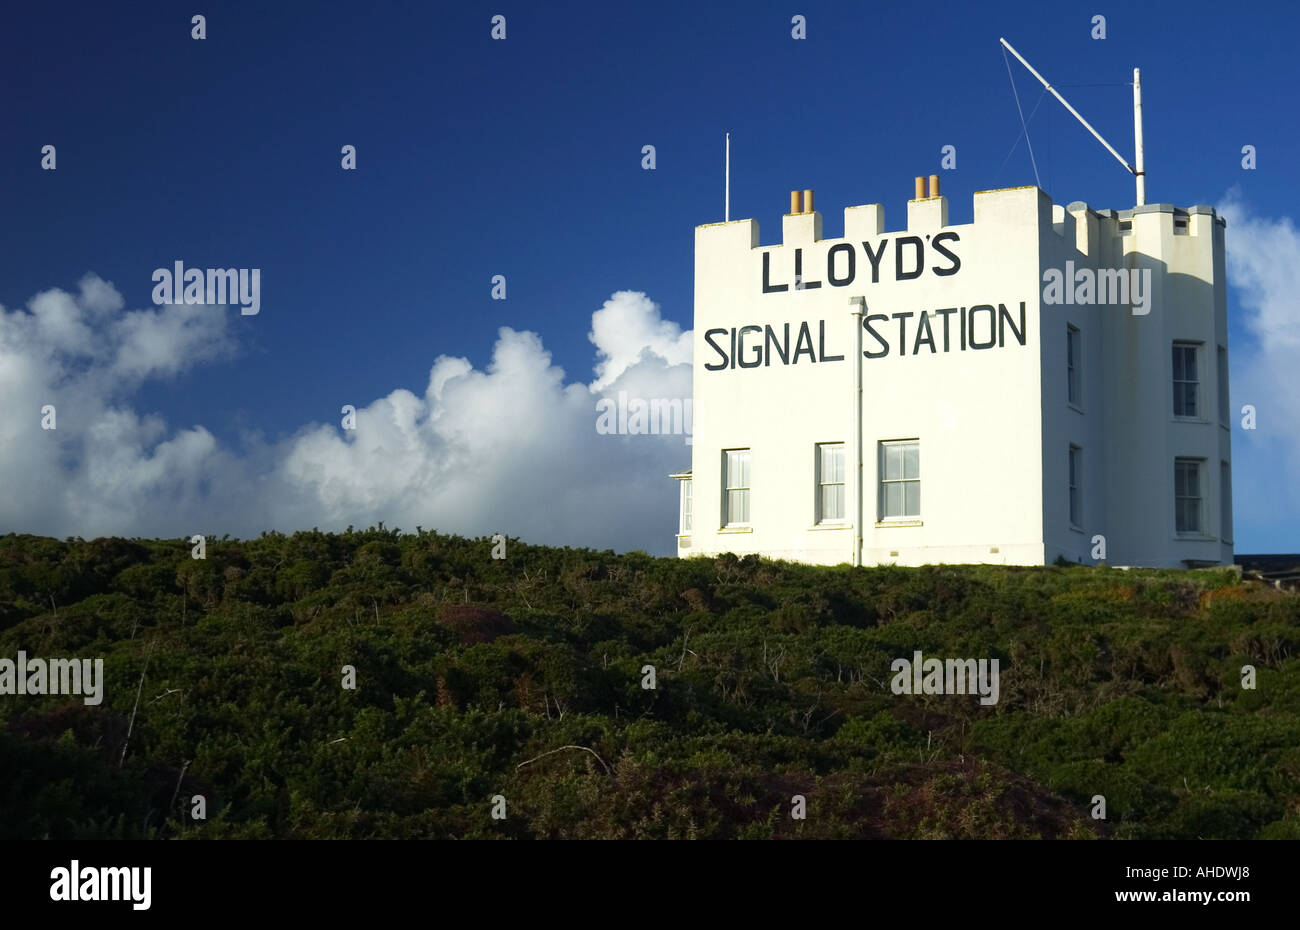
942 394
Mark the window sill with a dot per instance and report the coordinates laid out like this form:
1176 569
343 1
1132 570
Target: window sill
1194 537
683 535
1193 421
830 526
881 524
1075 407
1078 529
735 529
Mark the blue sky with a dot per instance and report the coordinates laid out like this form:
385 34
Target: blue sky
523 158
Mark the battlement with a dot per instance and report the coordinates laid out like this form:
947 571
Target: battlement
1083 227
865 221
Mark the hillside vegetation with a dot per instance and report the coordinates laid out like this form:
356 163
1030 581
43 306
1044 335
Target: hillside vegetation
772 680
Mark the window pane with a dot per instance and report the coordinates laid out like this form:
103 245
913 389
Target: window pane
1225 501
832 464
912 461
913 498
1223 385
1072 365
1187 497
833 502
893 461
1186 381
738 468
738 506
894 500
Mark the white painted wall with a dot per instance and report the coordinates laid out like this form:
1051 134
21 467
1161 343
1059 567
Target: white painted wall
993 423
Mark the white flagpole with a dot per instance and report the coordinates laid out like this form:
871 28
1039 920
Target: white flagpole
1137 119
726 215
1137 138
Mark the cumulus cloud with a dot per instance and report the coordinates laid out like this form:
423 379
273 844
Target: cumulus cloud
627 329
510 448
1264 268
99 470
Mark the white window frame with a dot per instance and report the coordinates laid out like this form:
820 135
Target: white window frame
1075 481
882 481
1195 347
687 505
821 484
1073 366
1225 500
1221 356
1199 496
728 487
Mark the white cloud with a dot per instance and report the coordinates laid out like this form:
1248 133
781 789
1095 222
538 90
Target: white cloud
629 328
1264 269
104 469
511 448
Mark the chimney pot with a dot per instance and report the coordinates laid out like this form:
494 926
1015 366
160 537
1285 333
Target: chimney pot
807 200
920 189
934 185
796 202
